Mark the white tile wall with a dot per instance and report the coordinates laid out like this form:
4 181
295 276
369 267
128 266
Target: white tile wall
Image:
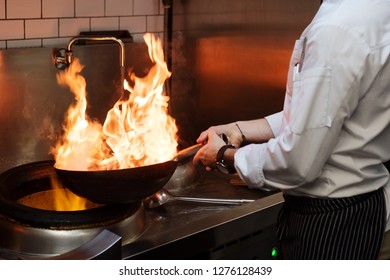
58 8
41 28
72 26
23 9
24 43
87 8
2 9
119 8
11 29
105 23
39 23
133 24
146 7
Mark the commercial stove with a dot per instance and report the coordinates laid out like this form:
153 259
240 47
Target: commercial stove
175 230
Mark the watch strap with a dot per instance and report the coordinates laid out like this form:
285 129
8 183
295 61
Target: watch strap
222 151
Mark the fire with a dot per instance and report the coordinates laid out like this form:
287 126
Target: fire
56 199
81 135
137 131
65 200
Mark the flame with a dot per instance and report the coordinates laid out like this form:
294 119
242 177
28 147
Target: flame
56 199
81 135
137 131
65 200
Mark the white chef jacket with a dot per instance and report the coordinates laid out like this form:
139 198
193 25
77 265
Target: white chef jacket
334 131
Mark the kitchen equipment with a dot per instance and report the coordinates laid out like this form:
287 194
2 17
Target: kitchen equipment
27 231
123 185
163 196
175 231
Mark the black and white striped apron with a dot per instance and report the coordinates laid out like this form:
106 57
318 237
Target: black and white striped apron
342 228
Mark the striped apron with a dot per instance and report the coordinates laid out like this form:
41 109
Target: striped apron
342 228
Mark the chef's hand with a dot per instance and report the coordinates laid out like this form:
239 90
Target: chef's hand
208 153
231 131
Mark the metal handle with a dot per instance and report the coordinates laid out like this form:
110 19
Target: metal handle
187 152
64 57
214 200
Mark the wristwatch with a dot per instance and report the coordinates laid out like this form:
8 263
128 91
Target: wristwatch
221 164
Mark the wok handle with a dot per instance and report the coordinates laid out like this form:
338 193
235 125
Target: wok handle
187 152
213 200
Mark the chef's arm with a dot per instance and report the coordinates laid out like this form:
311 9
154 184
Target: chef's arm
239 132
255 131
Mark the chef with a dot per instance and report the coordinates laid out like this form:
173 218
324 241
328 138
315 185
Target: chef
325 150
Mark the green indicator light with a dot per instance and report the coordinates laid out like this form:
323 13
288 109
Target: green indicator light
274 252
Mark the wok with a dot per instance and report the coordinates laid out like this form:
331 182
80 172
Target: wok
123 185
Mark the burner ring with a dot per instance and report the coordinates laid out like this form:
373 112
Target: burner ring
32 177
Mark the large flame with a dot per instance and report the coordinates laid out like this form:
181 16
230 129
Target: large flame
137 131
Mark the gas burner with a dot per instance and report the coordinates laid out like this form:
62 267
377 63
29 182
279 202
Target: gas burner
38 232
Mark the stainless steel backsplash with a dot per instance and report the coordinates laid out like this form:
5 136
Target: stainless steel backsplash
33 105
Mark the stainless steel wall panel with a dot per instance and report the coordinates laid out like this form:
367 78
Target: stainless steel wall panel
230 58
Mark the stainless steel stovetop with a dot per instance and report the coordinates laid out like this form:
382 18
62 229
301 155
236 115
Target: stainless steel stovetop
183 230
